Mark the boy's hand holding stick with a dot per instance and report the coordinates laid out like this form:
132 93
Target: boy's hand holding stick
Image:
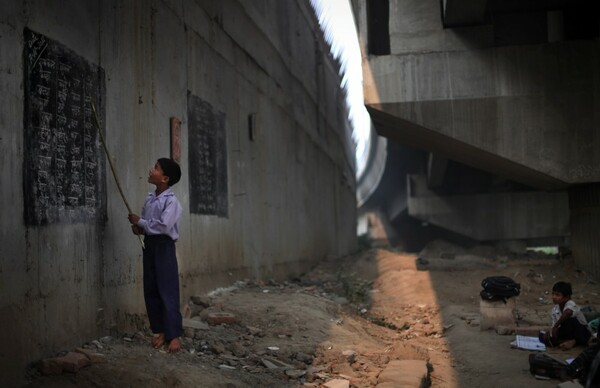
114 173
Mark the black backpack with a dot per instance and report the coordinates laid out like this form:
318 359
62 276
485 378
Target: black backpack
542 364
499 288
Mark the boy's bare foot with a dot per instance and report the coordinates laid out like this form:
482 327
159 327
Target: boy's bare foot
569 344
174 345
158 340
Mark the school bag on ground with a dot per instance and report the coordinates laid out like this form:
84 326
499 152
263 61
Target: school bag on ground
499 288
541 364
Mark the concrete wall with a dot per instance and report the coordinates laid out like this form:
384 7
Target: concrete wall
291 191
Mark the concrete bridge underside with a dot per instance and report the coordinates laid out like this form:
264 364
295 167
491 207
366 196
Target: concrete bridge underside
504 92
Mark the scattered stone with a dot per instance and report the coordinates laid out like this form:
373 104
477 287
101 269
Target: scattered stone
194 310
316 369
195 324
448 326
189 332
226 367
73 361
139 335
276 363
474 322
217 318
303 357
97 344
295 373
229 361
229 357
217 348
49 367
106 340
254 330
405 373
337 383
95 358
238 349
350 356
201 300
340 300
269 364
538 278
213 309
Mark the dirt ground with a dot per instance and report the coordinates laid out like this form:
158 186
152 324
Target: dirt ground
347 319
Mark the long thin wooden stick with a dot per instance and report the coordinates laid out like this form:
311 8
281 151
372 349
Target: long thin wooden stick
112 168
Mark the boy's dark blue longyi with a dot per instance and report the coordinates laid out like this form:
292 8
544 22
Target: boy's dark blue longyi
161 286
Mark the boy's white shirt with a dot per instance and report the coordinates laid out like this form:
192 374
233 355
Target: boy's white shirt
570 305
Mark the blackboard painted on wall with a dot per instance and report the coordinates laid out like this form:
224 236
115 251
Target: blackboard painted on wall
207 156
63 168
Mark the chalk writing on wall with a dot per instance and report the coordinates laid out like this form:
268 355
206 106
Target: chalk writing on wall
207 156
63 171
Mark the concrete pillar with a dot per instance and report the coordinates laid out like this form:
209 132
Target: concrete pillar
584 204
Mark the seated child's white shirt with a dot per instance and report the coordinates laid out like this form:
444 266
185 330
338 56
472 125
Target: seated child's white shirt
570 305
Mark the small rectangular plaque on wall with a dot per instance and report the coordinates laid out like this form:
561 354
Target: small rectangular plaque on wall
175 139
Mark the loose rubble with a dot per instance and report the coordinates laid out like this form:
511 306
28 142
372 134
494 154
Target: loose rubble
370 320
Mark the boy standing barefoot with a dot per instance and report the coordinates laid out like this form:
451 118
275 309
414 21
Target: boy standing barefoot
159 225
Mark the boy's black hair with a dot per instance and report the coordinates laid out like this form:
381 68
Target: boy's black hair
563 287
171 169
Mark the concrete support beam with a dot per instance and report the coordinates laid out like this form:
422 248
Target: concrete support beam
408 133
457 13
528 215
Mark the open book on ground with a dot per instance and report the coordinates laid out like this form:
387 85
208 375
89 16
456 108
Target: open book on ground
528 343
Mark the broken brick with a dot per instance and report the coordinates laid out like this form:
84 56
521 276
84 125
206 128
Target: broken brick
49 366
95 358
72 361
217 318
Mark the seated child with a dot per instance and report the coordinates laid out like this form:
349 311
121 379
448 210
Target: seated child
569 326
